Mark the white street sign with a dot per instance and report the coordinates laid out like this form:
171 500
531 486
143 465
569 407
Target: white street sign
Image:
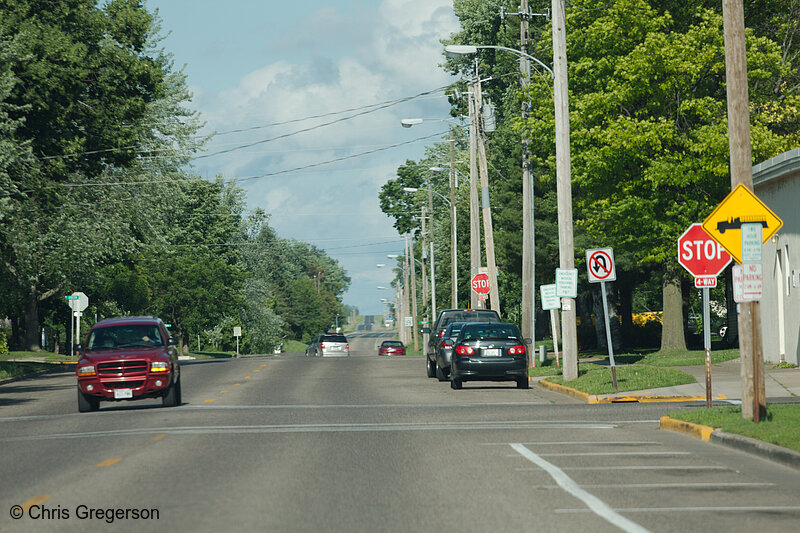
237 331
550 299
567 282
748 282
78 301
600 263
752 243
409 321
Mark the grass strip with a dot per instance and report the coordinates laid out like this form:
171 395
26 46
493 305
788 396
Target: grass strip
48 357
12 369
780 426
596 379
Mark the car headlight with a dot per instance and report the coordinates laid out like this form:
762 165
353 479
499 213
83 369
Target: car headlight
159 366
86 370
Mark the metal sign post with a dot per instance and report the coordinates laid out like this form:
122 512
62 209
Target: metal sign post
551 301
237 332
600 263
707 342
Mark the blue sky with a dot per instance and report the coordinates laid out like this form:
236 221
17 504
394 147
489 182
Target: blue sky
253 63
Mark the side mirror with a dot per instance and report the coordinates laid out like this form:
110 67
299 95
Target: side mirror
173 341
426 330
77 347
528 341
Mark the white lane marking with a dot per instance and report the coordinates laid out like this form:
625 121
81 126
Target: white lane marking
746 509
596 505
581 442
662 485
313 428
627 454
671 467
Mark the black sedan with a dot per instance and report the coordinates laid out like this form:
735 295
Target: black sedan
489 352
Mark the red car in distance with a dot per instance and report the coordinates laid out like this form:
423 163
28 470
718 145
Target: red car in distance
391 348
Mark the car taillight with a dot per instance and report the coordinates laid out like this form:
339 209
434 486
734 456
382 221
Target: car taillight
464 350
159 366
321 346
87 370
441 334
519 349
446 344
347 347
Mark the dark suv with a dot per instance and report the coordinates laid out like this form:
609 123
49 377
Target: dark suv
128 358
442 321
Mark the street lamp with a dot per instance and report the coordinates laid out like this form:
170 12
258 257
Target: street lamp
564 192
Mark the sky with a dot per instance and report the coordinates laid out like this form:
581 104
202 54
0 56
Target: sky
253 63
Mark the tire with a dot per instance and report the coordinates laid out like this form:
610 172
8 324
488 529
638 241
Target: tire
87 404
441 376
455 384
431 368
523 383
172 397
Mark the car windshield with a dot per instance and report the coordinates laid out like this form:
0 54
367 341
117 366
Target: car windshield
124 336
392 343
490 331
333 338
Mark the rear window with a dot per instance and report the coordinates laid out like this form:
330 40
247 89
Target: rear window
333 338
490 331
472 315
392 343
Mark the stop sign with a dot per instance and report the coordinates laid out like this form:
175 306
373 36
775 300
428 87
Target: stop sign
480 283
701 255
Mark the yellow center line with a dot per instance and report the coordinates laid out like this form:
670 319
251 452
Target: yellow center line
158 437
210 400
247 377
36 500
262 366
237 384
109 462
256 370
224 391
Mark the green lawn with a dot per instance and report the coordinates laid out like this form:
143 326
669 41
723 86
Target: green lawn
596 379
780 426
10 369
49 357
676 358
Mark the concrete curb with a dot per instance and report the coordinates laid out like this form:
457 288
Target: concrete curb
621 398
695 430
763 449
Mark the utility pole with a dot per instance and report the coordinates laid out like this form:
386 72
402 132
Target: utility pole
406 294
528 311
566 252
423 254
741 166
413 289
432 308
486 208
474 229
453 242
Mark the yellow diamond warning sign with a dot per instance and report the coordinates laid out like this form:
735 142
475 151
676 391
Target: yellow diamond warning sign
741 206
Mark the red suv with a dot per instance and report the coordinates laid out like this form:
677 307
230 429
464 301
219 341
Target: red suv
128 358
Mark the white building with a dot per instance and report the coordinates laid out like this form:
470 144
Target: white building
777 184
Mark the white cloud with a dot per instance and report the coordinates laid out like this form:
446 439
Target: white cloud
373 56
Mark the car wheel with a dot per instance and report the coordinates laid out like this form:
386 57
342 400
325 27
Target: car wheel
87 404
172 396
455 384
523 383
441 376
431 368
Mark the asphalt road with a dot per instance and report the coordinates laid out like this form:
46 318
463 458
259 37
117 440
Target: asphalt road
368 444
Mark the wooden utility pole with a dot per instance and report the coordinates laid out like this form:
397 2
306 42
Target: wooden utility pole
486 208
413 289
528 310
566 248
474 228
423 254
741 165
406 295
454 241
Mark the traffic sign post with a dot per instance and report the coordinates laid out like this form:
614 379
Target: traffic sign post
480 284
77 302
237 332
551 301
703 258
600 264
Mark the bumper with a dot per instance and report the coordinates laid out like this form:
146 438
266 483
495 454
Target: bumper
488 369
335 353
444 357
113 389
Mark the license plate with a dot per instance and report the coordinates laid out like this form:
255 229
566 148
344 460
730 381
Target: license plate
491 352
121 394
336 348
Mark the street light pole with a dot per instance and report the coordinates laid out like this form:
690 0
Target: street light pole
528 318
474 229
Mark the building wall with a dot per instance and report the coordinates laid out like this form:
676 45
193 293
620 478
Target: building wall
777 183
